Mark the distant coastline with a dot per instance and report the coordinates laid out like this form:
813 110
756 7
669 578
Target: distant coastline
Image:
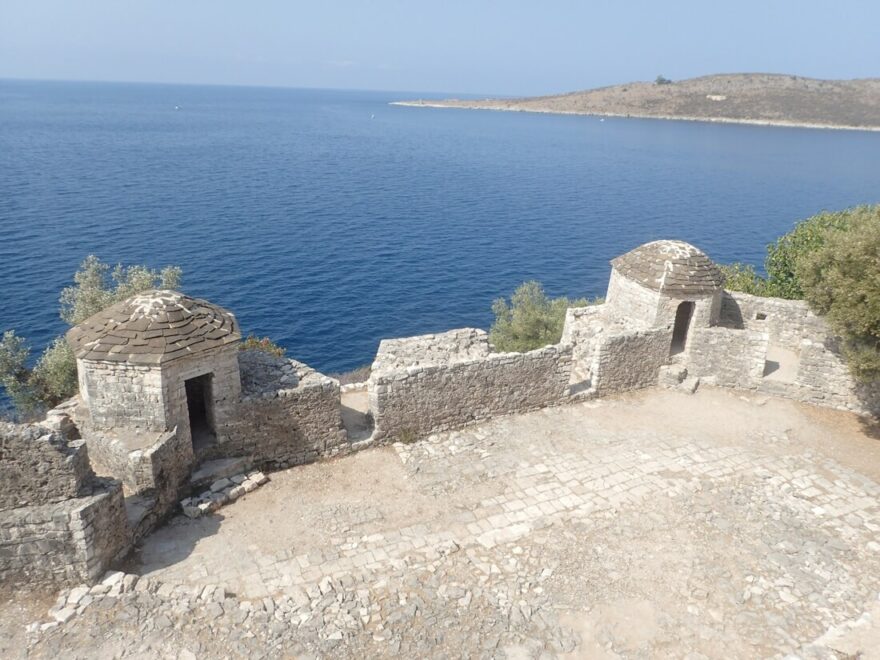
751 99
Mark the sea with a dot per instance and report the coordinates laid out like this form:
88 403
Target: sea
328 220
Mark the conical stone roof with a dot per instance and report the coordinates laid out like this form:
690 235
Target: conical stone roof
153 327
673 267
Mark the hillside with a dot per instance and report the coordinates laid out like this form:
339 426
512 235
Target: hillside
741 98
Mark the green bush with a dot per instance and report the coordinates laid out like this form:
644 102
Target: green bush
840 278
530 320
254 343
97 286
53 379
783 256
743 277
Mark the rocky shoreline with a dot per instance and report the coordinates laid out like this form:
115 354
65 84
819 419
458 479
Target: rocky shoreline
712 120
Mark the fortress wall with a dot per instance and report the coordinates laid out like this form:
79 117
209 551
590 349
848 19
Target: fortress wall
584 327
38 466
63 542
823 379
630 361
420 400
449 347
786 322
728 358
289 414
122 395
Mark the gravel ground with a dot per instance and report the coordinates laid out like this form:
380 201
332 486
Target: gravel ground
652 525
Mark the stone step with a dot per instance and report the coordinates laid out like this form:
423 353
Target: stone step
211 471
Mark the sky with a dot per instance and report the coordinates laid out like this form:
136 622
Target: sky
510 47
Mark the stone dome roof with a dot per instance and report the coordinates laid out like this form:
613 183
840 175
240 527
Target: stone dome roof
672 267
153 327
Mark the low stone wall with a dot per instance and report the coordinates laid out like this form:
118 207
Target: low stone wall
823 379
419 400
726 357
584 327
38 466
462 345
289 414
142 461
64 542
786 322
630 361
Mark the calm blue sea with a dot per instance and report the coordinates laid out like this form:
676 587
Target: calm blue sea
329 219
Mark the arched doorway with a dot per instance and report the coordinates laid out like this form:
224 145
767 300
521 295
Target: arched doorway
680 330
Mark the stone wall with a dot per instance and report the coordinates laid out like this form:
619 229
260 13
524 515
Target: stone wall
418 400
38 466
630 361
583 329
823 379
122 395
65 542
289 414
727 358
786 322
450 347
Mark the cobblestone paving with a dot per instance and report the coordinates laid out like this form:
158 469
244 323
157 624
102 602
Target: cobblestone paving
654 525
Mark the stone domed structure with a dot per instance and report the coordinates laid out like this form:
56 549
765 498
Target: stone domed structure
671 267
153 327
665 284
157 361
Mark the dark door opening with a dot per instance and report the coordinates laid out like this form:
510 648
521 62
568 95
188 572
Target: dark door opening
680 329
198 404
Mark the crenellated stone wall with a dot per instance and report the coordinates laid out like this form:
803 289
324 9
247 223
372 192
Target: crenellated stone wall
630 361
417 400
58 522
289 414
727 358
39 467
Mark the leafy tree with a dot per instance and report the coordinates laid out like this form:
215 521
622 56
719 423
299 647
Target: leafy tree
788 251
53 379
660 80
531 319
97 286
840 279
742 277
14 373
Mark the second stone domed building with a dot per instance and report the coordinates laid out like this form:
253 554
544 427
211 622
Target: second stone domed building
665 284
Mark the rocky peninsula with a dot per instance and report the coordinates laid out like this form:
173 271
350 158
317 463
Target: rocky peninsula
744 98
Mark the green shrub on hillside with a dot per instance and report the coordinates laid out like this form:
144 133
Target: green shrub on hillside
530 320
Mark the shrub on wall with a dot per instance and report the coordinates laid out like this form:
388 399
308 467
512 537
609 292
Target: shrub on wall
53 379
254 343
530 320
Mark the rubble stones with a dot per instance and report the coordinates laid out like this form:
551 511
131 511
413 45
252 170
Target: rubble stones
222 492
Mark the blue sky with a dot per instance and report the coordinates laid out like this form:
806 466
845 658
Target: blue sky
476 46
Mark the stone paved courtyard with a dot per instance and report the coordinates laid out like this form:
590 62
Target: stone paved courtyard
653 525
